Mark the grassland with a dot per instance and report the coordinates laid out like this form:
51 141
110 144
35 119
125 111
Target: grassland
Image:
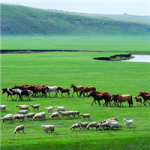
101 43
63 69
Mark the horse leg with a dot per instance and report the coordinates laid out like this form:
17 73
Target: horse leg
77 94
144 102
10 96
148 102
72 93
99 103
92 102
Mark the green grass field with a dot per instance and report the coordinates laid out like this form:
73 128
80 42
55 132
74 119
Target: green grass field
63 69
102 43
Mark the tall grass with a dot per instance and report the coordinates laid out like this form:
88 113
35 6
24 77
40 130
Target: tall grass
64 69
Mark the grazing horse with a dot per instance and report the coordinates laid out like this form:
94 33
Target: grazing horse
100 96
87 89
145 96
63 91
76 89
51 89
10 92
122 98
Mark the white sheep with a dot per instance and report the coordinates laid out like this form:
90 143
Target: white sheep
73 113
77 113
75 126
53 115
83 125
92 124
65 113
23 107
18 128
47 128
85 116
30 115
128 122
19 117
39 115
11 115
113 124
60 108
22 112
3 107
35 106
7 117
49 109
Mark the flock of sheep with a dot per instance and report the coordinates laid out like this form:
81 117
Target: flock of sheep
111 123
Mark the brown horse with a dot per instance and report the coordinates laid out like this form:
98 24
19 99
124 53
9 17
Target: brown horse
145 96
76 89
87 89
63 91
138 99
100 96
22 87
122 98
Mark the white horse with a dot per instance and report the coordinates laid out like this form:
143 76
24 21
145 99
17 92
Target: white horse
51 89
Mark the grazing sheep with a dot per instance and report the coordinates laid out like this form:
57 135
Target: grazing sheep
128 122
77 113
47 128
3 107
39 115
35 106
22 112
7 117
113 118
49 109
53 115
83 125
60 108
65 113
30 115
92 124
138 99
113 124
73 113
104 125
85 116
11 115
18 128
75 126
19 117
23 107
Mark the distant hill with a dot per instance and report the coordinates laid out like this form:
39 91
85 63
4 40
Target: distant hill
21 20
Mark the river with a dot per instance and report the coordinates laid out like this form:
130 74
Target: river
139 58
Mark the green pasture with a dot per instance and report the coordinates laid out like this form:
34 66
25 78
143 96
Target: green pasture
79 68
101 43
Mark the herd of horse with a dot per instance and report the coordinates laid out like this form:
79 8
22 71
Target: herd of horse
34 90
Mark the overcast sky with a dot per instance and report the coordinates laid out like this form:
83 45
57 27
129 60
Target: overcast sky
134 7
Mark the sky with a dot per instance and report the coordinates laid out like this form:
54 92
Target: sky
133 7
